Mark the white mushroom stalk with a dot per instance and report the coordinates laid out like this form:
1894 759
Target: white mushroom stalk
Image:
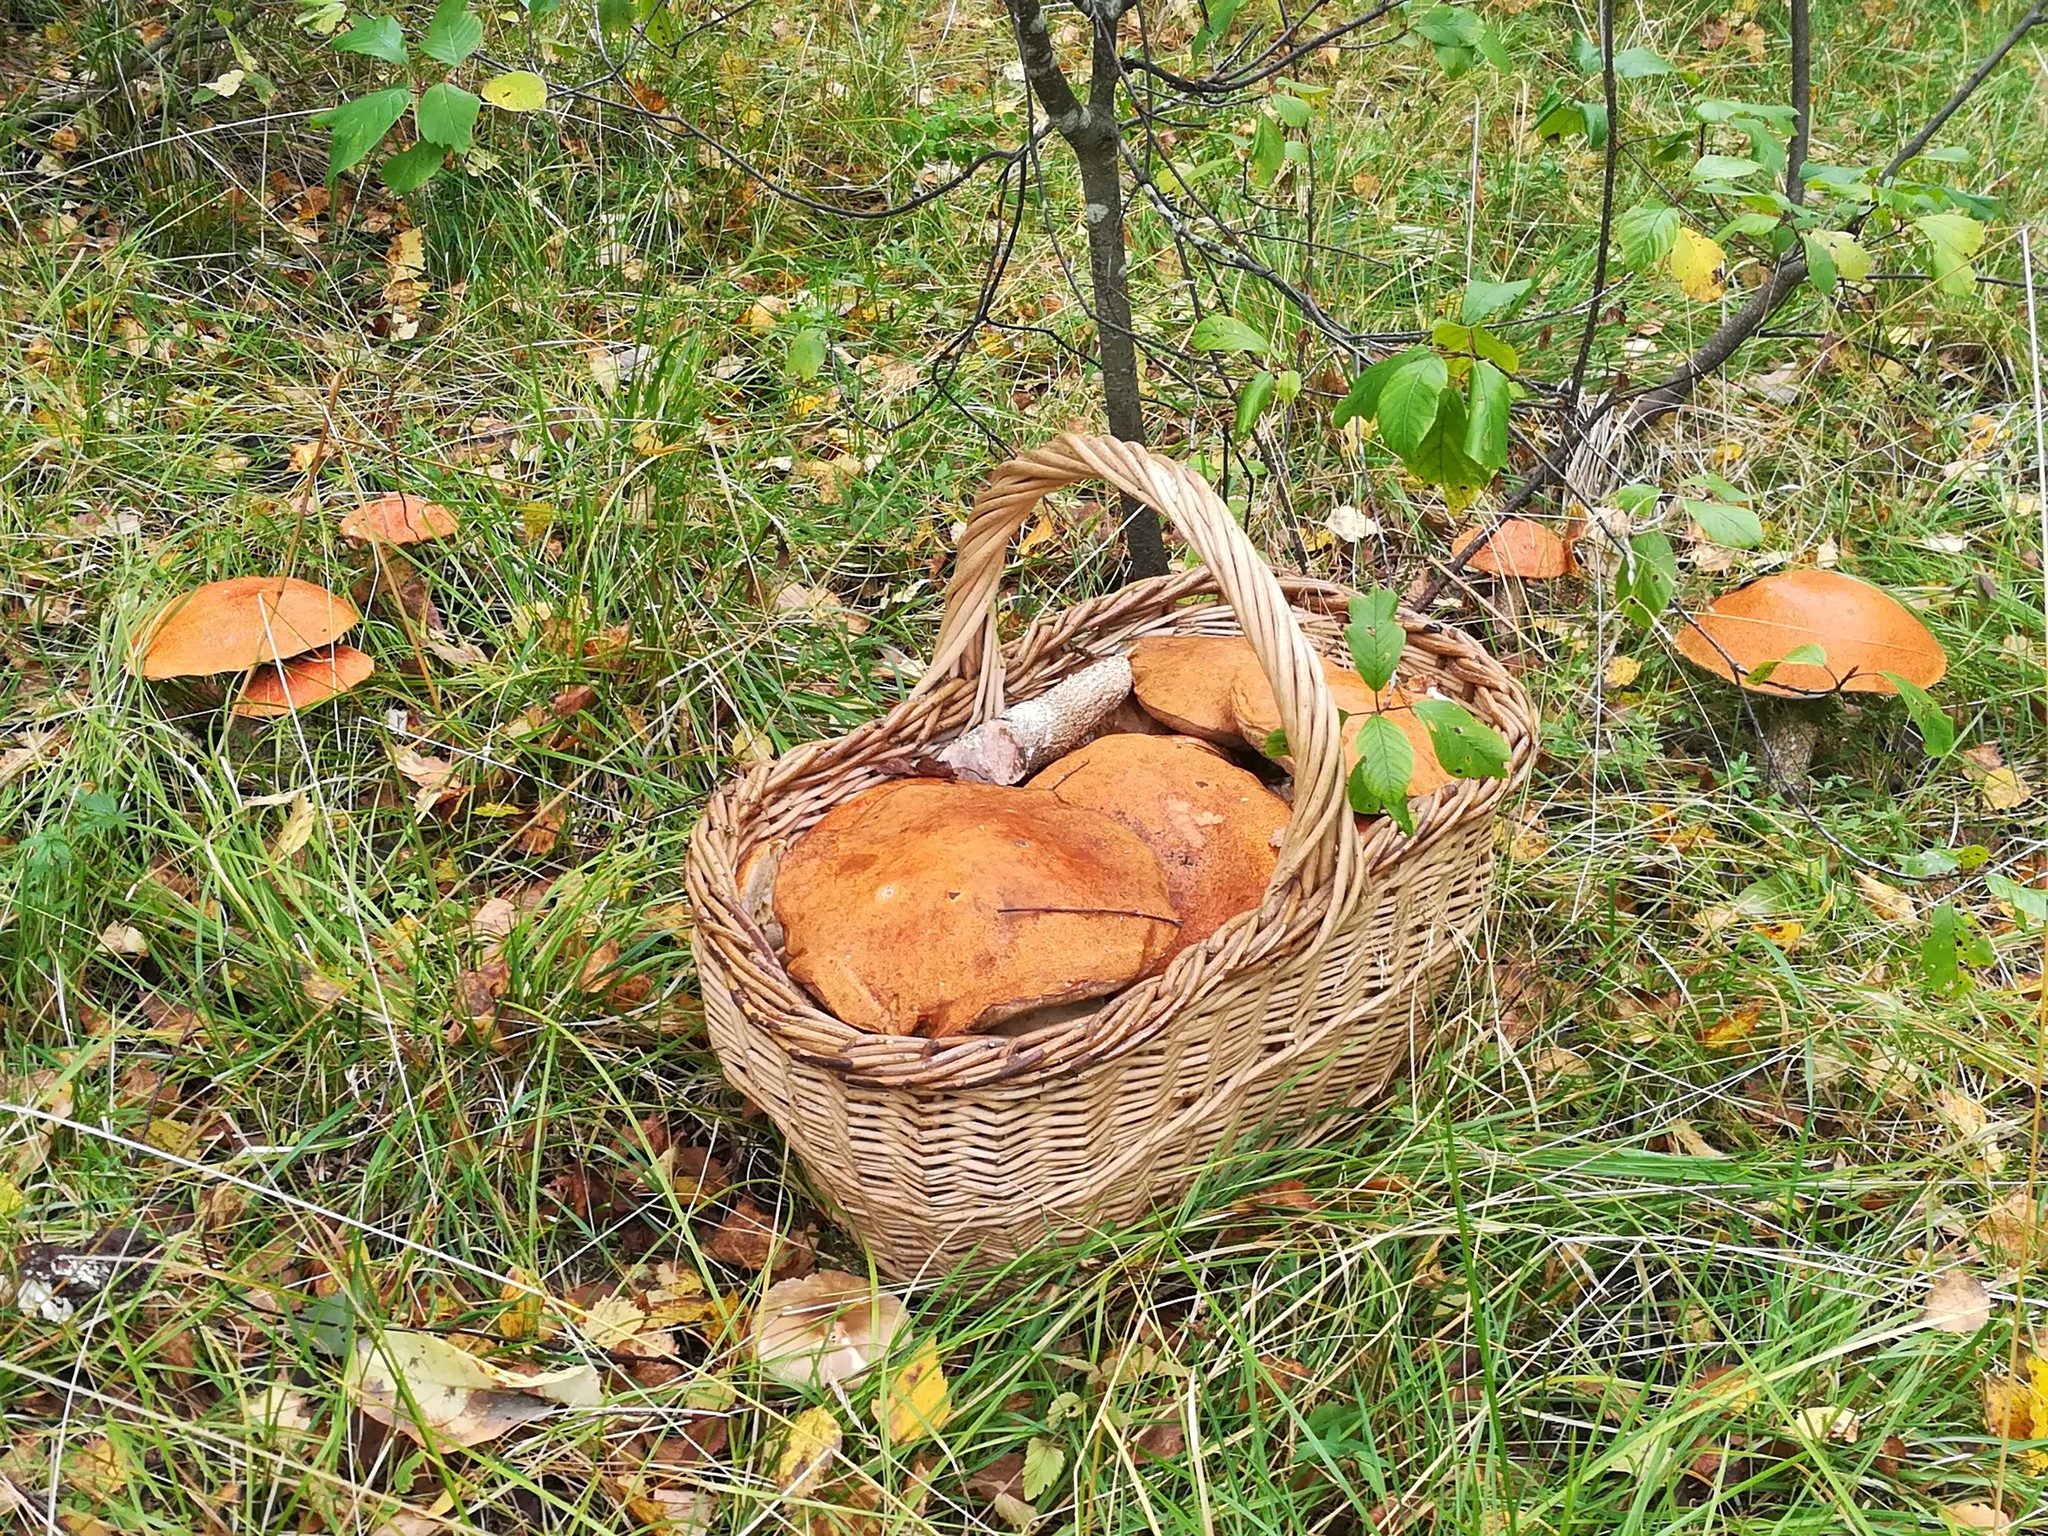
1027 736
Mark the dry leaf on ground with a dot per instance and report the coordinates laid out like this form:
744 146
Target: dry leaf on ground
917 1401
807 1452
434 1393
1957 1303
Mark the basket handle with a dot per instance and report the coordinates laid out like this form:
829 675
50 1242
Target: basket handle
1319 846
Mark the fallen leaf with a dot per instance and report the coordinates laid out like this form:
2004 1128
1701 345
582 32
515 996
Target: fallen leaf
1888 902
2010 1232
1974 1515
433 779
1956 1303
542 832
1998 783
1685 1138
297 830
121 939
807 1451
436 1394
917 1402
1621 671
1827 1422
1734 1029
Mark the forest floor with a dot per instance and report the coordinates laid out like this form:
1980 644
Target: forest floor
385 1015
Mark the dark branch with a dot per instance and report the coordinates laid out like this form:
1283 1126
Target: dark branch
1966 90
1802 101
1611 91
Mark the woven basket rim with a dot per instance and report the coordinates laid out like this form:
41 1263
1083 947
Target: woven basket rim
1048 648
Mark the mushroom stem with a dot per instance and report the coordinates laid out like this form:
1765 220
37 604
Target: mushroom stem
1027 736
1789 730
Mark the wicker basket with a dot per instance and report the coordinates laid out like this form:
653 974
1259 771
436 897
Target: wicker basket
983 1146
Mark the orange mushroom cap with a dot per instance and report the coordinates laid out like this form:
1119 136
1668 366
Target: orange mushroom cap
303 681
926 906
1862 631
1185 682
231 626
1214 828
400 518
1518 547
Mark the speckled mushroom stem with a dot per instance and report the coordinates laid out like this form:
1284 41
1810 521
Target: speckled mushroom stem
1027 736
1788 730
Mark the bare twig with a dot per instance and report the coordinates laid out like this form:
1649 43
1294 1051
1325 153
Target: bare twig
1966 90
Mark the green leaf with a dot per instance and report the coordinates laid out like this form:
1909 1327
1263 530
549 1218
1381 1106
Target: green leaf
1640 64
1291 110
1225 333
1269 150
1466 747
1952 239
411 169
1409 402
1363 399
359 126
1940 952
1490 49
1484 300
1221 14
1648 577
376 37
1252 401
1635 498
1455 62
1585 54
1645 233
1376 637
447 115
1736 527
1043 1463
661 27
1287 386
1486 424
1477 341
1723 168
806 353
1937 731
1850 259
453 34
1379 778
1808 655
1558 115
1721 110
1757 226
517 90
616 16
2025 901
1275 745
1440 457
1449 26
1821 270
1595 115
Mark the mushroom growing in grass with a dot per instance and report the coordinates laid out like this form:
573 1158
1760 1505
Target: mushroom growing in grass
1517 551
386 525
252 622
1794 640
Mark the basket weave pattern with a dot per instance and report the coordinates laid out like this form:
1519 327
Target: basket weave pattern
986 1145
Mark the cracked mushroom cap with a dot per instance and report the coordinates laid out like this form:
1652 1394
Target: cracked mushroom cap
400 518
231 626
932 907
825 1329
1214 828
1519 547
302 682
1185 681
1862 631
1258 717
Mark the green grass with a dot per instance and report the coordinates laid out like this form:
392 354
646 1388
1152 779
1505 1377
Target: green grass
1491 1304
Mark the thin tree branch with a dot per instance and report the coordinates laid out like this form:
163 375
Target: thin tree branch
1610 88
1966 90
1802 102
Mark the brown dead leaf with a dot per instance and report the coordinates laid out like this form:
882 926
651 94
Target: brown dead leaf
1999 784
1957 1303
1889 902
541 833
1734 1028
748 1238
1975 1515
2010 1233
433 779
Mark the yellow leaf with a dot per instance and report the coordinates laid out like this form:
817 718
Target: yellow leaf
173 1136
1734 1029
297 830
518 90
12 1201
917 1402
1622 671
610 1321
1887 901
1785 935
1040 532
1698 265
807 1452
2003 789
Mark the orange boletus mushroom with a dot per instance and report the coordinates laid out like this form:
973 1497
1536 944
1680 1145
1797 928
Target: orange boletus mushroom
1214 828
1185 682
302 682
400 518
1795 639
231 626
1258 717
1519 548
931 907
